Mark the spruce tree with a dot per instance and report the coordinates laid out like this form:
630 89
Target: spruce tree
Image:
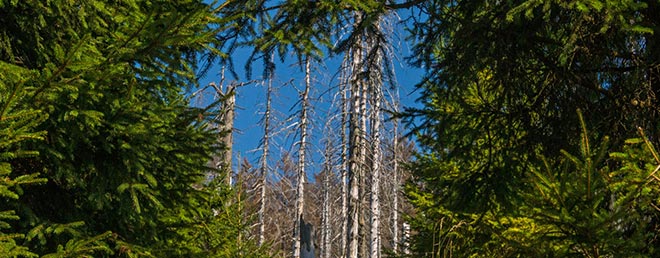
504 80
124 154
17 126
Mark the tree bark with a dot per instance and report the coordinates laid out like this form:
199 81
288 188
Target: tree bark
375 97
326 213
395 170
376 117
406 238
375 189
362 211
344 164
228 107
355 149
264 164
300 199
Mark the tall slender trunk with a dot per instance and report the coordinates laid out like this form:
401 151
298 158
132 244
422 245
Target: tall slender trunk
376 97
353 175
356 149
300 199
223 162
376 118
326 213
264 164
344 164
395 187
228 138
406 238
362 213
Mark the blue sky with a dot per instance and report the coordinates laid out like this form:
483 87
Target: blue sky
250 100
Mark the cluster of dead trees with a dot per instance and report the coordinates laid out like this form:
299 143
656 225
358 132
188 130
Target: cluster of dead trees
273 211
350 204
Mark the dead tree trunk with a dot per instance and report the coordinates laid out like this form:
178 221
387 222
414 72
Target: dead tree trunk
228 139
326 213
344 161
375 79
355 150
300 199
376 118
264 164
225 124
395 170
362 210
406 238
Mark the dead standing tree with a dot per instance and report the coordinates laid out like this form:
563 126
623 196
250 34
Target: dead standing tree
326 209
264 163
367 50
302 175
356 149
224 120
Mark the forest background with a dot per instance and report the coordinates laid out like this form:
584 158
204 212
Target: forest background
535 129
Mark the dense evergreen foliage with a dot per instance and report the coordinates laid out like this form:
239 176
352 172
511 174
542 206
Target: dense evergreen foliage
538 129
510 167
102 154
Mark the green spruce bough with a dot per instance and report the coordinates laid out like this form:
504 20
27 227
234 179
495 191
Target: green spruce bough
114 169
506 169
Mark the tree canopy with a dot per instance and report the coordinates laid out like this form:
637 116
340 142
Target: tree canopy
528 110
103 154
538 125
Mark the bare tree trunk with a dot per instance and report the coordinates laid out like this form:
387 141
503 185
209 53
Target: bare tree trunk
355 152
376 97
228 139
395 169
375 191
363 160
326 233
406 238
224 161
358 226
344 165
225 124
300 199
264 164
376 161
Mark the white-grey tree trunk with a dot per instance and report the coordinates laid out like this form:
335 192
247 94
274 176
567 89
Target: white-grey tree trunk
228 108
300 199
376 118
375 191
264 164
406 238
326 213
375 97
395 171
364 152
355 150
344 164
225 124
